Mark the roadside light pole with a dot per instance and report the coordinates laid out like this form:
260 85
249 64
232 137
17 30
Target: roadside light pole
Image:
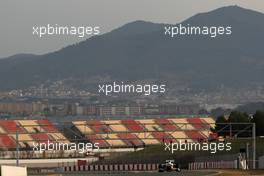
254 145
247 155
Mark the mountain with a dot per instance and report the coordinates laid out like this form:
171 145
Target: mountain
140 50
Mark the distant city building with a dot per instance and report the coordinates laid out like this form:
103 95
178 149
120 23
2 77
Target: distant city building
72 109
179 109
118 110
16 108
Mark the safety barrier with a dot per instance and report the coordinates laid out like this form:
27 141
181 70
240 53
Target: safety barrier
261 162
113 167
213 165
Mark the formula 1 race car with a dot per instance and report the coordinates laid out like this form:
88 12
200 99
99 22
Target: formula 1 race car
169 166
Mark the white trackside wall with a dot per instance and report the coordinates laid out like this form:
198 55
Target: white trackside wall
13 170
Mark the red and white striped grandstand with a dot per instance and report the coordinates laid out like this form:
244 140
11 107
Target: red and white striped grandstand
128 133
29 131
108 133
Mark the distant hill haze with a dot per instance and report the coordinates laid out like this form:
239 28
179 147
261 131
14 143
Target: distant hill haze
140 50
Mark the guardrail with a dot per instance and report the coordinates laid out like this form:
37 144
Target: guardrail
113 167
213 165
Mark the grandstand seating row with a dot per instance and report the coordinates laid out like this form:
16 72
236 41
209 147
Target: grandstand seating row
26 126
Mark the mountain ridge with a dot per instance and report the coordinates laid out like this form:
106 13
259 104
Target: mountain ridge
140 50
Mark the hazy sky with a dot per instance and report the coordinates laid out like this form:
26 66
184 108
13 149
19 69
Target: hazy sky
18 16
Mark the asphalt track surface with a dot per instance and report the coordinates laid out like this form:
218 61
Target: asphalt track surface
182 173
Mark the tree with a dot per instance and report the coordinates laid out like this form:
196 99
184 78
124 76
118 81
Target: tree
220 124
239 117
258 119
203 112
224 126
46 111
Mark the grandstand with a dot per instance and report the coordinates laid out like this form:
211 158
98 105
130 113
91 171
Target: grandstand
107 133
113 137
141 132
29 131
